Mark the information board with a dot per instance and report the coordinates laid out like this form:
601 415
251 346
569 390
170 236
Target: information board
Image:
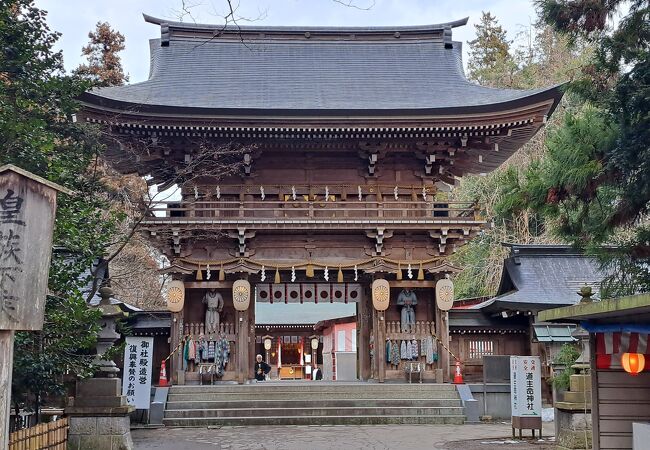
526 386
136 383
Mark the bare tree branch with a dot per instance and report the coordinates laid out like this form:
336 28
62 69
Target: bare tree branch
352 4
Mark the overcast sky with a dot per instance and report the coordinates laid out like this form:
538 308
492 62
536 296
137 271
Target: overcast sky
75 18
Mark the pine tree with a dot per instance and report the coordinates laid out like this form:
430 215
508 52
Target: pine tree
104 66
594 181
490 62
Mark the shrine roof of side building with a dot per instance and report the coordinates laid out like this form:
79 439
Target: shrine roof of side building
212 70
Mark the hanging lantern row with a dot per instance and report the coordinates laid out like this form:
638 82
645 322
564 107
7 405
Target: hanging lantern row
241 296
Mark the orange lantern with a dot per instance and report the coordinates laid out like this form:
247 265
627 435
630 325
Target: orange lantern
633 363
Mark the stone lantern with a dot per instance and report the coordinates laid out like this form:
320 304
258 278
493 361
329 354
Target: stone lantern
99 416
107 335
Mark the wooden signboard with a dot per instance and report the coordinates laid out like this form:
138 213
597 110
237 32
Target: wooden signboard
27 209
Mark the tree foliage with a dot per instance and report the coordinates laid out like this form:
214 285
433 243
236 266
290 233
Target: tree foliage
539 57
38 133
104 67
594 181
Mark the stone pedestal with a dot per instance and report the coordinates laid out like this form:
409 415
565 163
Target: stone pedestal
99 418
573 414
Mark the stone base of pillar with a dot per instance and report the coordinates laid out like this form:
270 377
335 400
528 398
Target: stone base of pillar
574 429
573 415
99 418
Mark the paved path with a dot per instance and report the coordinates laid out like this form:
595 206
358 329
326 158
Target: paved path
384 437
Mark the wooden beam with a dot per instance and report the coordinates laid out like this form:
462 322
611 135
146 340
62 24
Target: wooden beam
208 285
412 283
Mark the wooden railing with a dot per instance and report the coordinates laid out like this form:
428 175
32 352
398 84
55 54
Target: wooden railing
197 329
421 330
51 436
301 209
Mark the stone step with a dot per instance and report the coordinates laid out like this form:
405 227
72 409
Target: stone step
309 403
289 387
315 411
305 403
312 420
313 396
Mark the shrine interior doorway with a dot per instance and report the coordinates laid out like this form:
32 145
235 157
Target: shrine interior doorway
308 331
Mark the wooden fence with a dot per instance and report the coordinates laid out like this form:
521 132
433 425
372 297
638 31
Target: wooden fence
51 436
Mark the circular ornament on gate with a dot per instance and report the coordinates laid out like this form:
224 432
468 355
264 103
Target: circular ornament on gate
445 294
175 296
241 295
380 295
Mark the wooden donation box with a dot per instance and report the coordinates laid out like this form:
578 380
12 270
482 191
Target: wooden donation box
293 372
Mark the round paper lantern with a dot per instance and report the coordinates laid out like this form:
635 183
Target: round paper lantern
445 294
633 363
380 295
175 296
267 344
241 295
314 343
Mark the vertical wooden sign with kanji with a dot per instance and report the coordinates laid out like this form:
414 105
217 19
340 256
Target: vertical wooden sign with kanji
27 209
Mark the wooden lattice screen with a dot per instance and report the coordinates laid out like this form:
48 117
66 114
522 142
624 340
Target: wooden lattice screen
51 436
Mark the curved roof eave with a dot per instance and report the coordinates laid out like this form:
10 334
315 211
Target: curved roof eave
139 109
302 29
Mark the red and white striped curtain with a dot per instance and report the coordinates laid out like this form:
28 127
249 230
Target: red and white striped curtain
610 347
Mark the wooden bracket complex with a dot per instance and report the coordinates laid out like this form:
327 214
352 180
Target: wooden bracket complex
379 235
242 235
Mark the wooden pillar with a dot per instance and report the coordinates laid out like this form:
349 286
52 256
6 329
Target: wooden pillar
243 365
380 342
251 335
175 336
6 367
442 331
364 321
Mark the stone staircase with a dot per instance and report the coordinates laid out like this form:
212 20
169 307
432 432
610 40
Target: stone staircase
313 403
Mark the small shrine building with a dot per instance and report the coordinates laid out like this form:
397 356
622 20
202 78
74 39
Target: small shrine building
312 161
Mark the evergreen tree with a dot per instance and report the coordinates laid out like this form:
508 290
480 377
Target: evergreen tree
104 66
38 133
594 182
541 59
490 62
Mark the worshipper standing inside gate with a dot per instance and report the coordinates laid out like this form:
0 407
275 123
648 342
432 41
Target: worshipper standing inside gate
261 368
